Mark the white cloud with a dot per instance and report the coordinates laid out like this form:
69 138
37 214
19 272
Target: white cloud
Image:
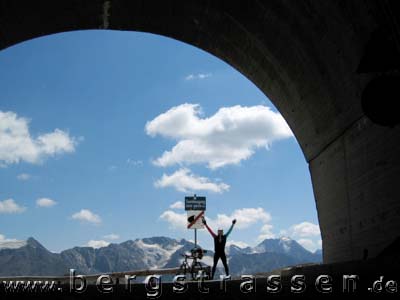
176 220
3 239
266 233
309 244
17 144
87 216
9 206
111 236
305 233
231 135
177 205
23 176
97 244
45 202
304 229
134 162
6 243
198 76
184 181
283 232
245 218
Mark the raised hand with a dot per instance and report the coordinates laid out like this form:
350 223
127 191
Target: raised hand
203 220
234 221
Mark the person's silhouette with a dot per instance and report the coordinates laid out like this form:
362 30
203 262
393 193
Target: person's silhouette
219 246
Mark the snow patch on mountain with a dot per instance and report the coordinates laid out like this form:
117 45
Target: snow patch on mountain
285 242
157 255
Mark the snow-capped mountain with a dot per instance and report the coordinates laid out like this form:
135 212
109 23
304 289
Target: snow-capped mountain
287 246
283 245
147 253
31 258
270 254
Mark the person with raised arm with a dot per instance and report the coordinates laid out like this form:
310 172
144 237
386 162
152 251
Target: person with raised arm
219 246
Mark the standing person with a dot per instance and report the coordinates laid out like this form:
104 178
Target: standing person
219 246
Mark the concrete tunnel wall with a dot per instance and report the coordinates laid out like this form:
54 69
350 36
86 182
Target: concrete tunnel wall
304 56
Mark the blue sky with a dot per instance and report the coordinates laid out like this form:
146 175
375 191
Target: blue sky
103 133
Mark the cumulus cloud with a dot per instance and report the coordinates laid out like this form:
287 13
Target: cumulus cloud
175 220
45 202
3 239
9 206
198 76
229 136
23 176
97 243
177 205
304 229
266 233
17 144
111 236
87 216
306 234
185 181
245 217
309 244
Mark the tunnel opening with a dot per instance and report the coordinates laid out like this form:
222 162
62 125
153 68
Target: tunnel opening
108 94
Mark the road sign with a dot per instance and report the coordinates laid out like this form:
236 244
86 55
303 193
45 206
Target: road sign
195 203
194 219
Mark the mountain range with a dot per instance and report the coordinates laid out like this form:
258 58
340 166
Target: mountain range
31 258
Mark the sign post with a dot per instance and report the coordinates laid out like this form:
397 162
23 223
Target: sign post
195 207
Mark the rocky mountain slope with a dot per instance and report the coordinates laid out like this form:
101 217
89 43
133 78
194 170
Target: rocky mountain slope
31 258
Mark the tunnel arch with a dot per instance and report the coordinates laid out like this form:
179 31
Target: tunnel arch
304 56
